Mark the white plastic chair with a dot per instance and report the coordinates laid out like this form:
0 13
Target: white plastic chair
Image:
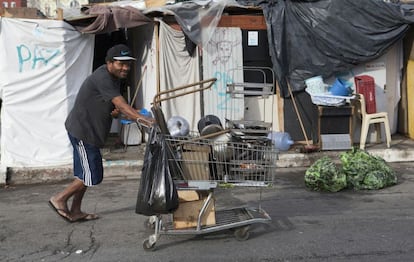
373 118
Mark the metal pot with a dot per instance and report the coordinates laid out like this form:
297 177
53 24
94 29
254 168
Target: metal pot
208 120
221 148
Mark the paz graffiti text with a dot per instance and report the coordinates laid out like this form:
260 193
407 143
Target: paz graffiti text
32 58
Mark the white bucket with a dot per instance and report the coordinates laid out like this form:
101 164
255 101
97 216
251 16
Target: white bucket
315 85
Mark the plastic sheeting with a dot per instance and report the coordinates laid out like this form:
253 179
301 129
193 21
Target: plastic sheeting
43 65
326 37
197 19
306 38
157 193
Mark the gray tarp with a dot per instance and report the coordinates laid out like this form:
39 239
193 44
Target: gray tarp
326 37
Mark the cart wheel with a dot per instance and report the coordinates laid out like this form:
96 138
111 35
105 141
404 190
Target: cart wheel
148 246
242 233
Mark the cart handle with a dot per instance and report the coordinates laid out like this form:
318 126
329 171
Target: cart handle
157 98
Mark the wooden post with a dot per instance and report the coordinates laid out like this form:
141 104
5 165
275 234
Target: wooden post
59 13
410 93
157 52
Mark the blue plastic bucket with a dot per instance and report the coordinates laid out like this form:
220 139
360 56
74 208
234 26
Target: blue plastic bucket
340 88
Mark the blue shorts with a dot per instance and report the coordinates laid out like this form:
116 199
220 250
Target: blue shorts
87 162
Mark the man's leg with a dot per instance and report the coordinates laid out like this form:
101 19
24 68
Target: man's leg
87 167
76 208
77 201
60 200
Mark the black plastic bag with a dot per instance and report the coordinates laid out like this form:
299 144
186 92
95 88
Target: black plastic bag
157 193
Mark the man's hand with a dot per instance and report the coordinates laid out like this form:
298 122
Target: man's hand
115 113
146 121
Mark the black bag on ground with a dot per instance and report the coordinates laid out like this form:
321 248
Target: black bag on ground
157 193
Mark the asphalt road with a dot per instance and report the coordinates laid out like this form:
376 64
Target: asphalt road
306 226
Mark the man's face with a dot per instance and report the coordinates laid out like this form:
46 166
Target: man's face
119 69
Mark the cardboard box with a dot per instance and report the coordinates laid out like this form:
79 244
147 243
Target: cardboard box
196 162
186 216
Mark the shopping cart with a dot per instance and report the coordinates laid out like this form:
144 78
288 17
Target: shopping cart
204 163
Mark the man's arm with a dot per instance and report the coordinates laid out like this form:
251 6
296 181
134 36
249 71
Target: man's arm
128 111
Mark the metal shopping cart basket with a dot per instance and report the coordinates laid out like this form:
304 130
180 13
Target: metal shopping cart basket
202 164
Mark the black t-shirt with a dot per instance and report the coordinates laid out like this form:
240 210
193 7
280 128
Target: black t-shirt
90 119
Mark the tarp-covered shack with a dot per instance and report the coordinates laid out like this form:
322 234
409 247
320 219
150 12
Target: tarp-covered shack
45 61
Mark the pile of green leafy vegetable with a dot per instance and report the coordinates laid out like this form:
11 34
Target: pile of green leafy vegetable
365 171
358 170
323 175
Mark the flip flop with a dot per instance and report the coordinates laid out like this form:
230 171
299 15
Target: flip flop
87 217
62 213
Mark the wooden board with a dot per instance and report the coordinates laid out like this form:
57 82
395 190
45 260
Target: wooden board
188 195
19 12
154 3
410 93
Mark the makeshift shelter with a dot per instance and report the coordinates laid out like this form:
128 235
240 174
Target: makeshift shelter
306 38
43 65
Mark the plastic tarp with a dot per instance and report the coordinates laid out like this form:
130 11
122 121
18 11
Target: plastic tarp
327 37
44 62
197 19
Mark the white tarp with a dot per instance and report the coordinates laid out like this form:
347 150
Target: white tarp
223 59
146 41
43 64
178 68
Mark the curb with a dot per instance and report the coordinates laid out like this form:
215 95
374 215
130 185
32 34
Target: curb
116 169
131 169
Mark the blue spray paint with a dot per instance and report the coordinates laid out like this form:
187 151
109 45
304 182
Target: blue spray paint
221 88
46 56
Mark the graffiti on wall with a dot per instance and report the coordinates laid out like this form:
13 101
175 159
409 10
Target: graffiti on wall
223 51
31 58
